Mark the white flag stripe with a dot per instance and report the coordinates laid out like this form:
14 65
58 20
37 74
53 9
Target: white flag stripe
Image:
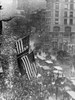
25 65
17 46
22 46
28 70
29 66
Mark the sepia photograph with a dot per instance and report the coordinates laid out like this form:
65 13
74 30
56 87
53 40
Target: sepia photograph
37 49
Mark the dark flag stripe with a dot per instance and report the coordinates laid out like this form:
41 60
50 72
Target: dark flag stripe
33 70
33 74
26 66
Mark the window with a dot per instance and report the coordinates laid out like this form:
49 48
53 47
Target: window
66 6
71 14
66 0
71 0
57 6
71 21
65 21
56 28
57 0
67 29
56 13
65 14
71 6
56 21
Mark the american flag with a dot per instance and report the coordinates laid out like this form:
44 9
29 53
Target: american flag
28 65
22 45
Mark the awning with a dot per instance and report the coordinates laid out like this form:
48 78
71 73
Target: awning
71 93
73 81
58 67
49 61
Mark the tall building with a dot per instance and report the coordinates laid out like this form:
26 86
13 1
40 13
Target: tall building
61 15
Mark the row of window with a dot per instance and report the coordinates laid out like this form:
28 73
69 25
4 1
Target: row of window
66 6
68 15
71 14
66 21
57 29
69 6
66 0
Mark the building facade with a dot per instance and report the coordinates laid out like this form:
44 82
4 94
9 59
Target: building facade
60 16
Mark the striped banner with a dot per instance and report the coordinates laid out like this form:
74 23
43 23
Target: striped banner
29 66
22 45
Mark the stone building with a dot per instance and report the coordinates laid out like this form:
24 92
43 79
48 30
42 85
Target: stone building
60 16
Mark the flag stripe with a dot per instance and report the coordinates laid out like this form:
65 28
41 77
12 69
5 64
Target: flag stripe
17 46
25 65
33 70
19 42
30 69
21 46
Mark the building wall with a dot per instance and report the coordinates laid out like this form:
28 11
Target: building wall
61 7
57 12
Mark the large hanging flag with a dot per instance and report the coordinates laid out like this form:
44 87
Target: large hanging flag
27 65
22 45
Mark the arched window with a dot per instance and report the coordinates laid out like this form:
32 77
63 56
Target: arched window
67 29
56 28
